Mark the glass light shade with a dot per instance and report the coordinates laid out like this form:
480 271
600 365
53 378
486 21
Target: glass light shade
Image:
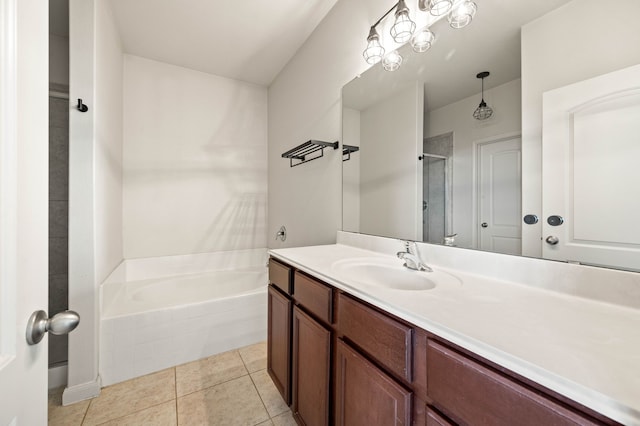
374 51
422 40
439 7
403 27
392 61
483 111
462 15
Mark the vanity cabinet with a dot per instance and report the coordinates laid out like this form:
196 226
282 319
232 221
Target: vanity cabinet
365 395
279 322
312 346
311 369
354 364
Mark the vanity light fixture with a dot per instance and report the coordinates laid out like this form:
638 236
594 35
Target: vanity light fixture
483 111
435 7
460 14
403 27
422 40
392 61
374 51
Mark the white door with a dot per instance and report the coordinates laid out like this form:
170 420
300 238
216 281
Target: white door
499 196
23 207
591 174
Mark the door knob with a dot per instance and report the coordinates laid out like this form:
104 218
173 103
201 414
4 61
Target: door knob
552 240
484 224
61 323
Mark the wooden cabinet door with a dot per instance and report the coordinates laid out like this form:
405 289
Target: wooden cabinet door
365 395
311 367
279 342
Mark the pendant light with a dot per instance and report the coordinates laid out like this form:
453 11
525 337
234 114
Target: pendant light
483 111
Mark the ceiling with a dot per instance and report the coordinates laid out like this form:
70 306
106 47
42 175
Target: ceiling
248 40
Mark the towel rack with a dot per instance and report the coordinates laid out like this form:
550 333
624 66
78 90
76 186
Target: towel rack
347 150
301 152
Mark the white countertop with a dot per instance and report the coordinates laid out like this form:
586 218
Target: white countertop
586 350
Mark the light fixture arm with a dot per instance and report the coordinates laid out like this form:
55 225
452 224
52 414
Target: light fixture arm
385 15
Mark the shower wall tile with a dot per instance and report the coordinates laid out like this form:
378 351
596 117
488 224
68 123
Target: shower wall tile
58 255
58 218
58 182
58 163
58 113
58 349
58 293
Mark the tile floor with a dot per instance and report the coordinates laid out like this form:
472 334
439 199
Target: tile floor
232 388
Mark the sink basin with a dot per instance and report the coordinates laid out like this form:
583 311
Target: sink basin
390 273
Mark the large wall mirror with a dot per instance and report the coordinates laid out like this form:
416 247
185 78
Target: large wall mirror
553 173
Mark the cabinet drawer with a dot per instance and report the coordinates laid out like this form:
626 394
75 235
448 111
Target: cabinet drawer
383 338
280 275
471 393
314 296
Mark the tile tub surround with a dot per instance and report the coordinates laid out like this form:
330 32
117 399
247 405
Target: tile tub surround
158 335
582 348
236 391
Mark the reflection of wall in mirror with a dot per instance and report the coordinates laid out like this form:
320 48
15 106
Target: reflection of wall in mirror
351 171
390 173
457 118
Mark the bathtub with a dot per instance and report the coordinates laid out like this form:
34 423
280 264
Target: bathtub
161 312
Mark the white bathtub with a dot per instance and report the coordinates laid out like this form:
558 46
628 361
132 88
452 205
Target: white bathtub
210 304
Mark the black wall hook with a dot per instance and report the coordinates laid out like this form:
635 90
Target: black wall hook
82 107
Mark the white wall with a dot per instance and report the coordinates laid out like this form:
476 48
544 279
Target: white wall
108 143
351 171
467 131
83 381
556 53
95 182
390 172
305 103
58 59
195 161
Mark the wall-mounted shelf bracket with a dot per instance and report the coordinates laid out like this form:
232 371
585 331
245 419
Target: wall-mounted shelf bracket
347 150
302 152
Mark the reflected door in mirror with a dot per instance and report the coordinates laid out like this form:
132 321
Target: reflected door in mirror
591 147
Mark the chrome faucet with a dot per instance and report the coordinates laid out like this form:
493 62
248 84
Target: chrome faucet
412 258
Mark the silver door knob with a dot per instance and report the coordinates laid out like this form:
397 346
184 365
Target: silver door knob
61 323
484 225
552 239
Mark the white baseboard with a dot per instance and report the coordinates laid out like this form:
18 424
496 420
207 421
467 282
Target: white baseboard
57 376
81 392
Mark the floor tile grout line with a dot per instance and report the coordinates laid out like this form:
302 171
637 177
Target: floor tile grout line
212 386
260 396
175 390
84 417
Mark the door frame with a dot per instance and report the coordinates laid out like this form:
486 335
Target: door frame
477 145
